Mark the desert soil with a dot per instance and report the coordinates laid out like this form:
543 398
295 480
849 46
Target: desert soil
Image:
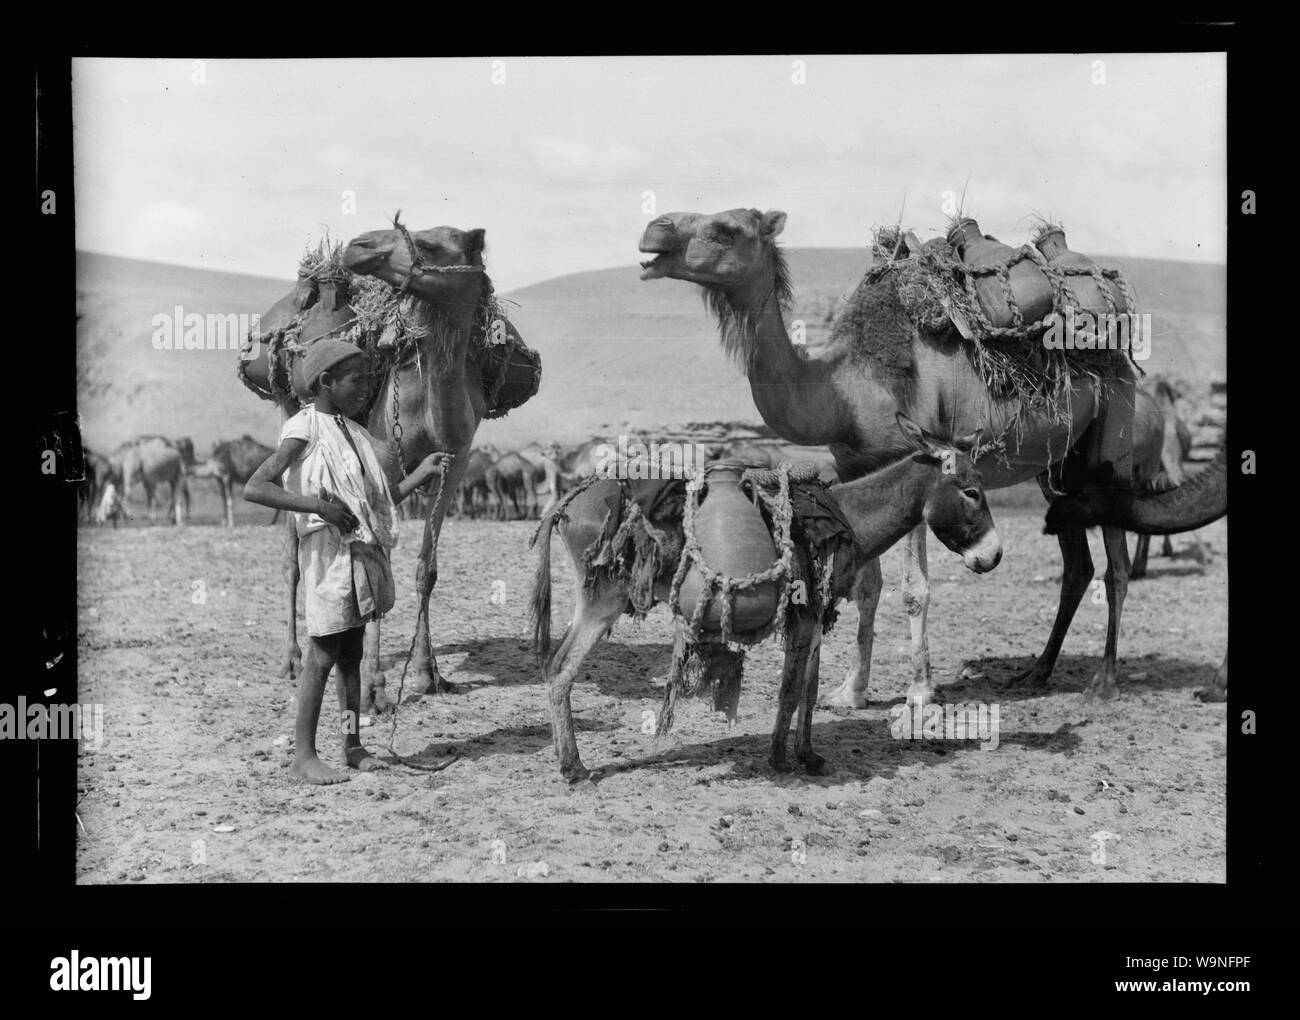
179 637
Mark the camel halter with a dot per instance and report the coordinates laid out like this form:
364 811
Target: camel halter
419 267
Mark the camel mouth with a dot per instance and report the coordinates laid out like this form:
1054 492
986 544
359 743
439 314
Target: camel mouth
653 269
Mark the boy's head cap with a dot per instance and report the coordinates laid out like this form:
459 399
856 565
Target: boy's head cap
323 355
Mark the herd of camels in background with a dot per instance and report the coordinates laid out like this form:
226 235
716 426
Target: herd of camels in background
846 405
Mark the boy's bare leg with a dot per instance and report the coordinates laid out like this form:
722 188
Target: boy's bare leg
348 683
307 766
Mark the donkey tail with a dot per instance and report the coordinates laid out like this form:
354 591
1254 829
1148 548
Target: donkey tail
539 607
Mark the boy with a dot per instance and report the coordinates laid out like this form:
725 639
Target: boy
343 511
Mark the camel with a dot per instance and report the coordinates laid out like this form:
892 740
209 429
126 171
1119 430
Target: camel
231 462
1200 499
513 481
110 506
433 398
474 495
1176 445
97 473
936 482
546 473
847 402
153 461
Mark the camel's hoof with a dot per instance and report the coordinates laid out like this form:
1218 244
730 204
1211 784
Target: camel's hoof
1102 688
779 762
1212 694
291 664
922 696
1032 677
424 678
844 696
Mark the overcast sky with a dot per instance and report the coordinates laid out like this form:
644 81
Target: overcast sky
238 172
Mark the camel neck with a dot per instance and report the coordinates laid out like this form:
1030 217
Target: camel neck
885 505
795 394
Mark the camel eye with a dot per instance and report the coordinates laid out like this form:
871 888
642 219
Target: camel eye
972 494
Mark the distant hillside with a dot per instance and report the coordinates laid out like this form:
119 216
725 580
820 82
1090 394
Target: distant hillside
615 350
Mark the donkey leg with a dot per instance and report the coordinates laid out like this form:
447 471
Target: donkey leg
852 693
812 762
1076 573
1117 567
790 696
916 599
291 663
592 619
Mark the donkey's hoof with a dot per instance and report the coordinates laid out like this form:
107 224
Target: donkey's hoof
576 775
813 763
1212 694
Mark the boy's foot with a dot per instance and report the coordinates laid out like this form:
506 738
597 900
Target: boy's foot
311 769
361 759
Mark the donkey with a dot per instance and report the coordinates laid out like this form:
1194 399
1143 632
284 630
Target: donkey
936 483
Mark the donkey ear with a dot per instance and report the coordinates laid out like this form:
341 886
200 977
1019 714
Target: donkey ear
917 436
474 240
773 223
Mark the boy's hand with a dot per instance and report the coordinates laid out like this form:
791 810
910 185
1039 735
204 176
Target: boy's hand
336 513
434 464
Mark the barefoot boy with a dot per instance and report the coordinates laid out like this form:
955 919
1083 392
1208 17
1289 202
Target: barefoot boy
343 510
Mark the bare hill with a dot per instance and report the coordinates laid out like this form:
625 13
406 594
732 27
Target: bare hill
615 351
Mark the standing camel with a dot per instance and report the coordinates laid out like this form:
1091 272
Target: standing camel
232 462
1175 445
1199 499
154 461
432 397
877 364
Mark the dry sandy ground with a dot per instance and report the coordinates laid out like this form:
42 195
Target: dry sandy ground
190 783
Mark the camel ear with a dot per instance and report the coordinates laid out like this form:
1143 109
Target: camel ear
474 241
773 223
968 443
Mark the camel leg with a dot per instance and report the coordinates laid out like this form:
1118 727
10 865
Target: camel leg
1076 574
424 666
1140 551
1117 567
916 599
1166 549
228 499
852 693
593 617
180 501
812 762
291 663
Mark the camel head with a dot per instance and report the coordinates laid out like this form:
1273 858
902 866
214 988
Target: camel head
726 251
443 265
955 507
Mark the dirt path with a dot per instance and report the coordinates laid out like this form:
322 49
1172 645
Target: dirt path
178 639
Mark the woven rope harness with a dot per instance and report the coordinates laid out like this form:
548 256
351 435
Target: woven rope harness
724 588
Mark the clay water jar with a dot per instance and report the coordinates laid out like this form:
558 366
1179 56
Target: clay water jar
1032 291
735 541
1052 245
